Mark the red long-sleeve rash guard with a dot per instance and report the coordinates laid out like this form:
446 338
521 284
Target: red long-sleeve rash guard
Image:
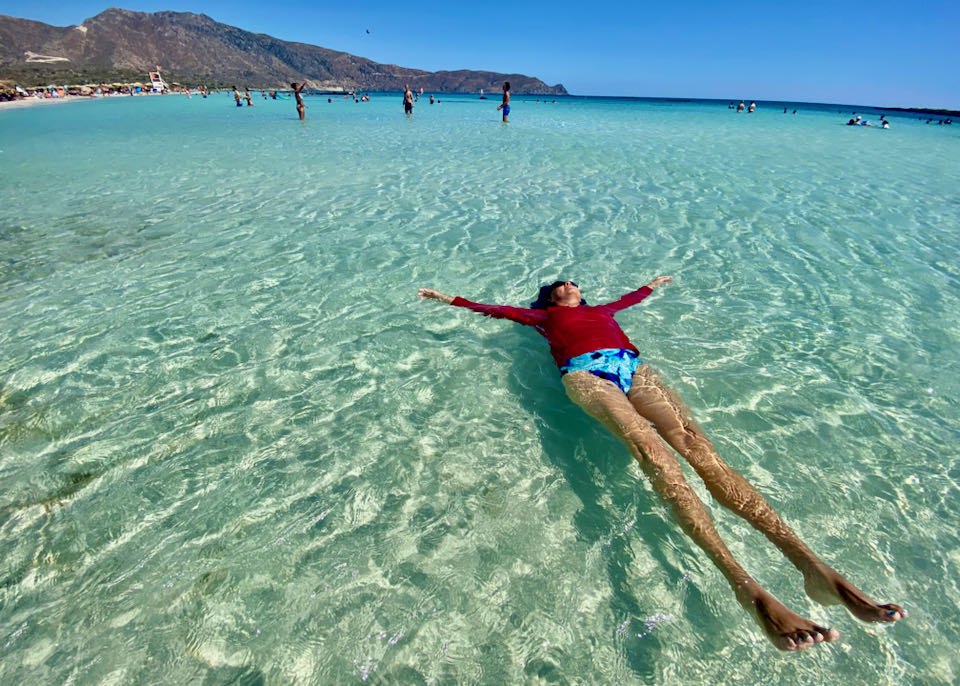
571 331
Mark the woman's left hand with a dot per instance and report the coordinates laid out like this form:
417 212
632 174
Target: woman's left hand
660 281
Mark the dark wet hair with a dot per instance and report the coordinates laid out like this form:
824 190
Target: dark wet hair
543 300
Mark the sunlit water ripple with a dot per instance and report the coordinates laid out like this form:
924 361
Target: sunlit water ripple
234 447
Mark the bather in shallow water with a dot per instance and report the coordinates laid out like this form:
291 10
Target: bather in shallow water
603 374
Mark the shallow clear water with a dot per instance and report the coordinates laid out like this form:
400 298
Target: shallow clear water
234 447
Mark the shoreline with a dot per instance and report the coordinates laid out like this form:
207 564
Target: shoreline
902 111
38 102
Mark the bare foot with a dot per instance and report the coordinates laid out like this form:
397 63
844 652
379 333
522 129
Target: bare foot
828 587
786 629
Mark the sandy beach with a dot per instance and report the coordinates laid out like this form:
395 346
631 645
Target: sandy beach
31 102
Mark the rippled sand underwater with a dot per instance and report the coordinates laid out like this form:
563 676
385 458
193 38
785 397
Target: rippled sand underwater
234 447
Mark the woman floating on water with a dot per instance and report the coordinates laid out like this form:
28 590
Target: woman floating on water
602 373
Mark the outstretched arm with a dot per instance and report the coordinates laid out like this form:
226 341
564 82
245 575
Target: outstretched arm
515 314
638 295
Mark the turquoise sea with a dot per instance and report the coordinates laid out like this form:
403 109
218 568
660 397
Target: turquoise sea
236 449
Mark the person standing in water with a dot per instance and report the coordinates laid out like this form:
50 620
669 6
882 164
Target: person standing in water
248 97
407 100
505 105
237 96
296 94
602 373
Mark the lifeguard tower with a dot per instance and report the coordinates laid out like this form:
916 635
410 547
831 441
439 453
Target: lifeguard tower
156 82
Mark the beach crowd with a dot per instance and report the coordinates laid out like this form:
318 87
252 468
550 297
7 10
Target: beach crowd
12 94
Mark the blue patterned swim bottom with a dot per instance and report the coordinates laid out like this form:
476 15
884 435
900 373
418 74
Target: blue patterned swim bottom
613 364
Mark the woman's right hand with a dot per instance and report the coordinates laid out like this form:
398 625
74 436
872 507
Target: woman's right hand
430 294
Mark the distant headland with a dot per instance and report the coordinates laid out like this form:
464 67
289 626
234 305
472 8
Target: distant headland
119 45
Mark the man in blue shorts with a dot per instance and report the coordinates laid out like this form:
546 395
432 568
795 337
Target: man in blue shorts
505 105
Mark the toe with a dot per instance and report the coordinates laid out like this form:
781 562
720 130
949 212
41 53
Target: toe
822 633
805 639
893 613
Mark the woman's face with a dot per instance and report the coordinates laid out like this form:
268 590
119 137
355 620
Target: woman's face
566 294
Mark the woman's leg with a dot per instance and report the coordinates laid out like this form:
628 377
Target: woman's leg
602 400
660 405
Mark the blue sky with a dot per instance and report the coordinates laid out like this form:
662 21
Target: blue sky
899 54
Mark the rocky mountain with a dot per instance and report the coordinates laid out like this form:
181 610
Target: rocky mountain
192 48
